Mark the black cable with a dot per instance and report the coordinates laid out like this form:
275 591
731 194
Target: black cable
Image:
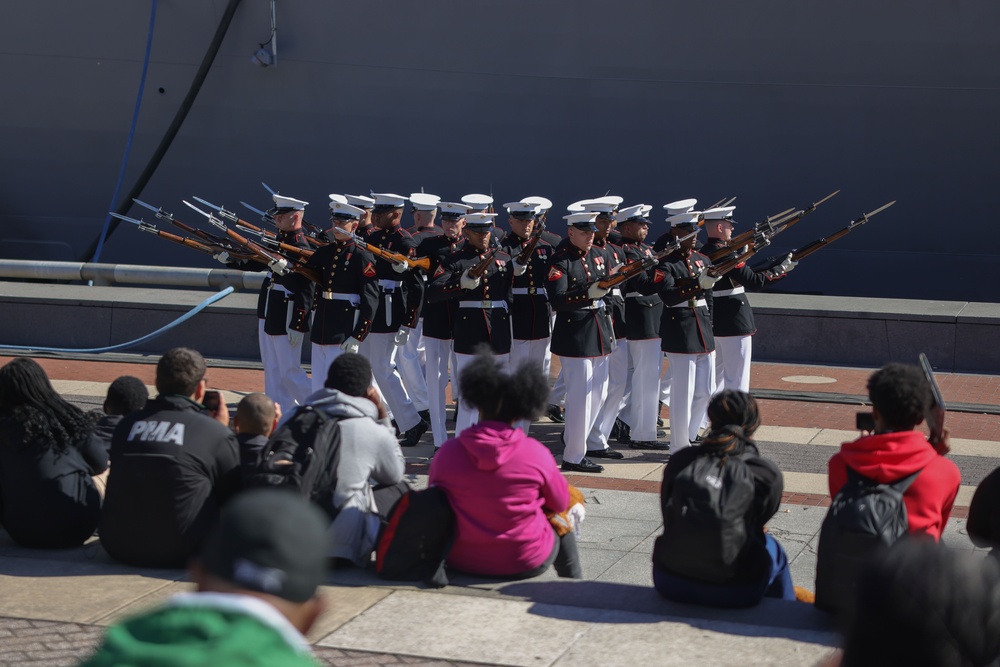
175 126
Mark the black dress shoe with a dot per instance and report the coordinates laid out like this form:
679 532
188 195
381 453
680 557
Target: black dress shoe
556 414
624 434
604 454
659 419
698 440
425 415
649 444
412 437
586 465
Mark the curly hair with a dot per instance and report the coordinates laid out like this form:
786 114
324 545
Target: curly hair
47 420
900 393
502 396
735 418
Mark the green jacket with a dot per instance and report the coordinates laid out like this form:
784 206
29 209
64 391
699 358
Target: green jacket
201 629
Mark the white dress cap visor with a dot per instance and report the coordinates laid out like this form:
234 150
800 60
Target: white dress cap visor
682 206
424 202
287 202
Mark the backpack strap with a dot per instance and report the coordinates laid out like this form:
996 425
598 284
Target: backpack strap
900 485
903 483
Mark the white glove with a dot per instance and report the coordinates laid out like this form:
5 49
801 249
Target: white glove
402 336
351 345
400 267
279 266
787 264
222 257
595 291
468 282
707 281
294 338
519 269
577 513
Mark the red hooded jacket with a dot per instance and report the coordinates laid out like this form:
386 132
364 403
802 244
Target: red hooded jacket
888 457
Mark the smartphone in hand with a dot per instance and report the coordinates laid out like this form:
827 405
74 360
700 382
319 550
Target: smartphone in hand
212 400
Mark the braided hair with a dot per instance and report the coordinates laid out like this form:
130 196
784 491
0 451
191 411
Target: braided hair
47 420
734 417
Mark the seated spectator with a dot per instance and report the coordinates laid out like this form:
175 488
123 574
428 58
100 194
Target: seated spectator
257 579
48 456
925 605
716 499
984 514
500 482
126 395
172 469
369 454
256 417
899 394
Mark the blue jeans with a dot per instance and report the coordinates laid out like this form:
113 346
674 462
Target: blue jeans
777 585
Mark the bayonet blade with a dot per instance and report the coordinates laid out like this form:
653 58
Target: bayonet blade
254 209
829 196
268 188
880 209
730 201
207 203
158 210
772 218
228 215
211 218
127 219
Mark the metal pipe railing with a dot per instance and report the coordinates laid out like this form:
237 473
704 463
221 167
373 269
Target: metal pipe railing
130 274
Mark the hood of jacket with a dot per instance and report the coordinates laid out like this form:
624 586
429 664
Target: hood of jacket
490 444
338 404
887 457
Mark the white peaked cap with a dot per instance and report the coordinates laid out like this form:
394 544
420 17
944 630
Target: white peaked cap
389 200
689 218
637 212
342 210
424 202
341 198
360 200
543 203
720 213
454 209
521 207
682 206
479 220
477 201
282 201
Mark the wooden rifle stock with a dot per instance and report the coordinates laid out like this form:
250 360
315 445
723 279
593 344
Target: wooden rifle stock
479 270
633 269
525 254
190 243
423 263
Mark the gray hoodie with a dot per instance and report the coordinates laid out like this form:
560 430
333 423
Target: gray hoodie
369 453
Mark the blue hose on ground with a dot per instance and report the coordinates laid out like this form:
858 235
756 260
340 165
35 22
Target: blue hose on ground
124 346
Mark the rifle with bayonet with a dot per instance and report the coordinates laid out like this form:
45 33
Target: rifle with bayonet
770 226
190 243
423 263
312 228
632 269
206 237
808 249
236 220
271 242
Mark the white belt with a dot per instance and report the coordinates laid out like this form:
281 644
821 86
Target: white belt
634 295
729 292
529 290
486 303
615 292
691 303
597 305
276 286
388 285
354 299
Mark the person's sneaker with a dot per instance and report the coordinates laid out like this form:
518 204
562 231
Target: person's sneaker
412 437
649 444
556 414
425 415
606 453
585 465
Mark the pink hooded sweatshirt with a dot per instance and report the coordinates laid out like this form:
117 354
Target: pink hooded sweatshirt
498 480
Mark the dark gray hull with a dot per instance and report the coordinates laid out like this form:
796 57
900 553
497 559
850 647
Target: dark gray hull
778 103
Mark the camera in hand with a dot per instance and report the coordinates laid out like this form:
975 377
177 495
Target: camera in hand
865 421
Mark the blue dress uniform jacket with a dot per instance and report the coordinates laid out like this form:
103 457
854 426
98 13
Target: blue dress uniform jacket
348 271
687 328
531 313
403 292
643 307
439 316
615 300
295 293
487 324
583 326
731 313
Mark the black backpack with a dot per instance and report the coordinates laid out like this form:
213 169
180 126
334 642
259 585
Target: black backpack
416 538
705 526
864 520
302 454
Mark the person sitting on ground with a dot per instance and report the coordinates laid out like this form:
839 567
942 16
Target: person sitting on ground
369 452
716 499
48 457
925 605
900 394
126 395
256 417
172 468
257 578
500 482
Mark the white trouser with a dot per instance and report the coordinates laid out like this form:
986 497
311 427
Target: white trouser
410 359
732 363
438 353
456 395
322 357
615 399
467 415
285 381
380 348
534 351
586 388
691 378
558 395
647 360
